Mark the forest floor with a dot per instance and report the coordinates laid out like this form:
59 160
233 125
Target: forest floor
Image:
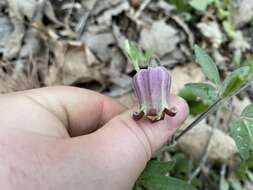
81 43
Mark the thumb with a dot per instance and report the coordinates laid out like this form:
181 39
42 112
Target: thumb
128 144
122 147
149 136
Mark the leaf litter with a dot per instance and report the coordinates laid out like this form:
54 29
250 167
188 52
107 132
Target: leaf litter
81 43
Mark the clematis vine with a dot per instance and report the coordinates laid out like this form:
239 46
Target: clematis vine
151 86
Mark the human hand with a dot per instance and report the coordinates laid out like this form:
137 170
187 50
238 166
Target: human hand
68 138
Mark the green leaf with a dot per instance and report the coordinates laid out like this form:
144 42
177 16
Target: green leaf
155 177
242 132
244 166
224 185
236 184
250 175
247 117
229 29
166 183
137 187
182 164
247 113
234 80
223 13
157 168
133 53
205 92
208 66
195 104
242 135
237 57
137 57
181 5
249 62
148 55
200 5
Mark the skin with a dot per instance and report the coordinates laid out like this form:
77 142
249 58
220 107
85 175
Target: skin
69 138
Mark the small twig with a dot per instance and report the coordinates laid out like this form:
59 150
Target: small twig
207 147
211 109
222 175
142 7
80 27
185 28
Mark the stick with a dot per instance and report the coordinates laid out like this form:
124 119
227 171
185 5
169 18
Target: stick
142 7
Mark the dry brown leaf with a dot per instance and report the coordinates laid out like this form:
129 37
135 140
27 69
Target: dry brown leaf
186 74
161 5
101 6
20 83
181 23
106 17
161 37
6 29
13 45
242 13
33 45
239 43
75 65
18 11
15 79
212 32
177 56
27 9
100 44
222 147
239 105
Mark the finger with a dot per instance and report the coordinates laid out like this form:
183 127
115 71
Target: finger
81 111
150 135
126 145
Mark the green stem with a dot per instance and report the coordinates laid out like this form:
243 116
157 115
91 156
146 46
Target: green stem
202 116
210 110
136 65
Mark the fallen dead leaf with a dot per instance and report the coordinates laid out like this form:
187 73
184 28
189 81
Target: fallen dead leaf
242 12
6 29
100 44
189 73
15 79
106 17
239 43
19 11
161 37
212 32
239 105
75 65
222 146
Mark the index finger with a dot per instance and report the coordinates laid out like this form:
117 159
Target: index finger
81 111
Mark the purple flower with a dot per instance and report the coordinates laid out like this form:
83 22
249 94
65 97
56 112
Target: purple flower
152 88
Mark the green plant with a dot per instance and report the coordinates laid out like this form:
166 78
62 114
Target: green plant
200 4
218 92
156 177
212 94
181 5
